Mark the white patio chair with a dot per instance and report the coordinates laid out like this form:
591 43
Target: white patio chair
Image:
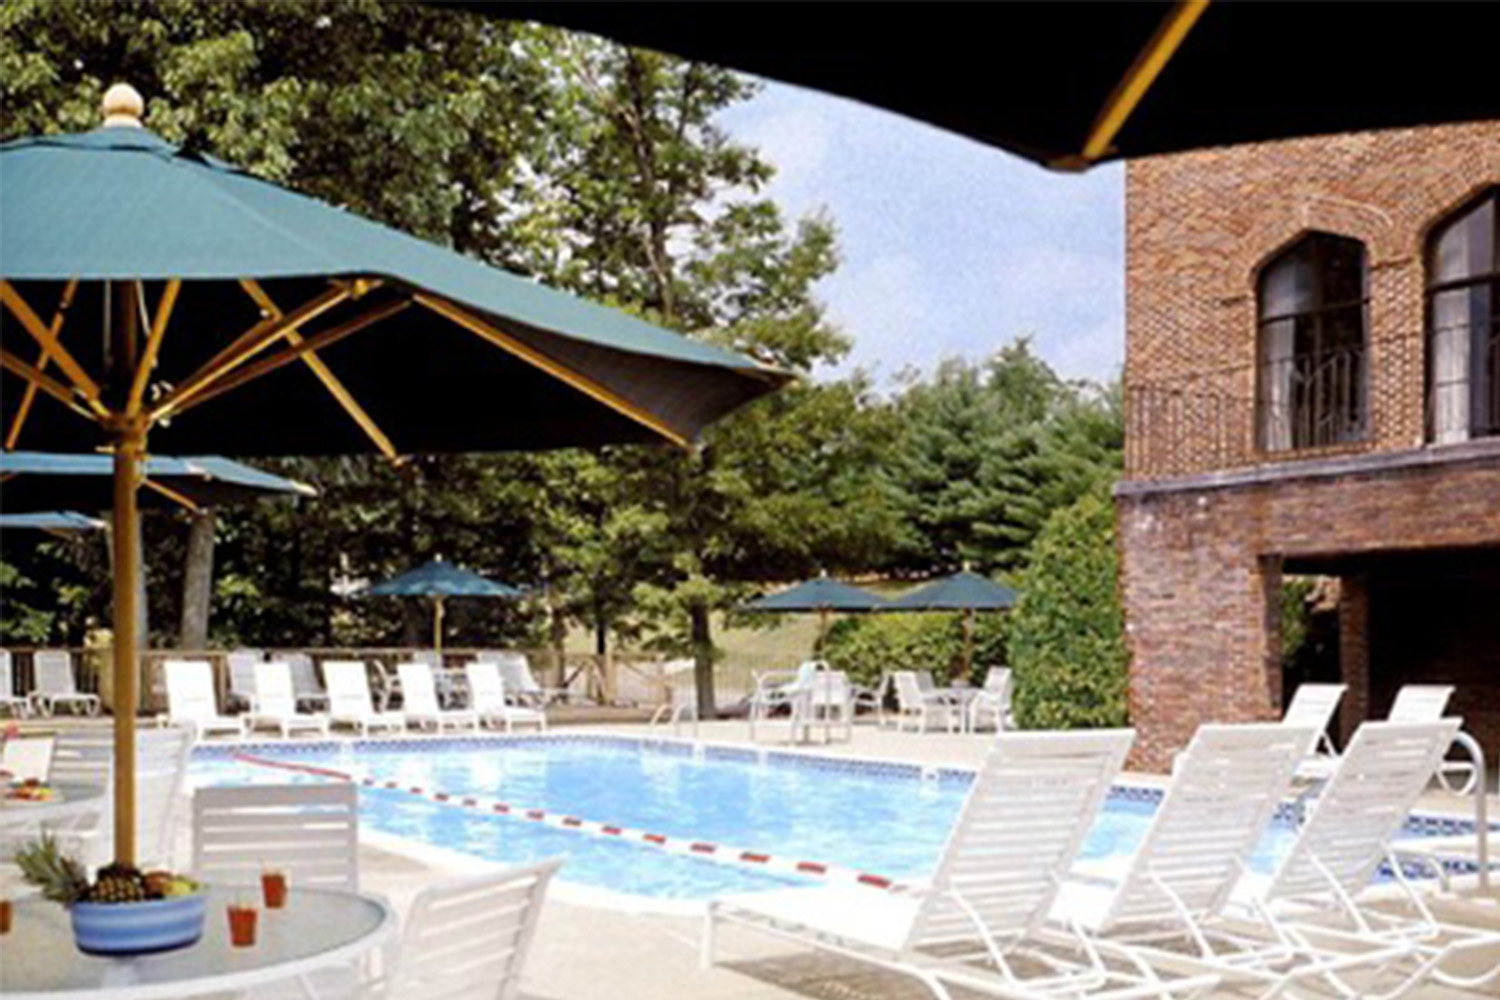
419 702
52 673
349 701
25 758
192 701
1312 707
992 699
275 703
161 763
468 938
10 700
1420 703
309 831
783 689
520 684
309 689
242 664
922 703
488 701
830 703
1023 822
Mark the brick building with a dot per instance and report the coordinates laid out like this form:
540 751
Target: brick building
1312 386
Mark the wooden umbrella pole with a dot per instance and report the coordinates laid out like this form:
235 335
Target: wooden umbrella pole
130 449
437 625
968 642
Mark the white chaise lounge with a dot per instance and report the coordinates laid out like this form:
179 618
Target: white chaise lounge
55 685
1022 825
191 700
275 704
488 701
419 701
349 700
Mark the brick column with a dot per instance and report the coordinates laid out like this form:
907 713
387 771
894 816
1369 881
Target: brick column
1354 652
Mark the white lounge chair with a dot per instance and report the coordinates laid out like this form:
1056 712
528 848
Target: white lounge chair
242 663
191 700
1312 707
1316 891
309 831
24 758
275 703
1021 826
1170 896
10 700
487 699
349 699
305 682
1420 703
918 701
992 699
419 701
52 672
520 684
467 939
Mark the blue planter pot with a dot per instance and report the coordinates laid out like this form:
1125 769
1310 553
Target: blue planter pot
138 928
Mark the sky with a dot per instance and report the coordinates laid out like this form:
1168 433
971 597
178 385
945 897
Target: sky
948 247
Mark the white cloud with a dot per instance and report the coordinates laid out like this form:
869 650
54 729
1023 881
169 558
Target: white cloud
949 247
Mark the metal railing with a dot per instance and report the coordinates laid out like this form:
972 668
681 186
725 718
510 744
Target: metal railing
1313 400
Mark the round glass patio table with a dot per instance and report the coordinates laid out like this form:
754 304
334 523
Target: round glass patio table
70 801
318 929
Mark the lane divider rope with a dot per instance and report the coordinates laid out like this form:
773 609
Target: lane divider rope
720 853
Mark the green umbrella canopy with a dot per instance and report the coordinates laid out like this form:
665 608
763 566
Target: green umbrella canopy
33 480
965 591
174 302
420 348
51 520
821 594
441 579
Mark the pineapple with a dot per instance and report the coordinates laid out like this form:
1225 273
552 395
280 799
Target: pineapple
61 878
117 883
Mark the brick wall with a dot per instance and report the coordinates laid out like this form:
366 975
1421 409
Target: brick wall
1200 225
1200 580
1203 549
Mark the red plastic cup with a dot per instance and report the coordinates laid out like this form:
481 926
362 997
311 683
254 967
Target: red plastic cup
5 916
273 888
242 925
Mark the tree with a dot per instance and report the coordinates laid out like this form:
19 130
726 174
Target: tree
1066 634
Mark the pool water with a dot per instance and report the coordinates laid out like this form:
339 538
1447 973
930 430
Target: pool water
891 824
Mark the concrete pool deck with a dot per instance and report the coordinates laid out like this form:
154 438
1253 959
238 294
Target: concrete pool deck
584 951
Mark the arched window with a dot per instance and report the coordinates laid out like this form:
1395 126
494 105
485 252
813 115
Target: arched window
1312 387
1463 323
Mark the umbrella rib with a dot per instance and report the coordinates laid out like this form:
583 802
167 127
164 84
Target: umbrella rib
499 338
1139 77
320 368
164 308
44 382
29 397
317 341
171 494
86 386
245 346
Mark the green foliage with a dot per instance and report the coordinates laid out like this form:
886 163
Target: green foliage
868 646
1296 615
1066 636
989 451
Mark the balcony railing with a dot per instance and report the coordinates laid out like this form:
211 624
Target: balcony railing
1313 406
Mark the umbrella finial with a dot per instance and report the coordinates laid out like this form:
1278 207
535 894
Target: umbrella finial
122 105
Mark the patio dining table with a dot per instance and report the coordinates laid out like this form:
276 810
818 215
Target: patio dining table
319 929
69 801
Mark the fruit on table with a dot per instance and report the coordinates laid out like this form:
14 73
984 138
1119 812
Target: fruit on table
63 880
30 790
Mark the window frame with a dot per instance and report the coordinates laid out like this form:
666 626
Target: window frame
1431 289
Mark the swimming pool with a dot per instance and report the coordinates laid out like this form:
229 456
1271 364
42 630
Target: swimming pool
860 816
